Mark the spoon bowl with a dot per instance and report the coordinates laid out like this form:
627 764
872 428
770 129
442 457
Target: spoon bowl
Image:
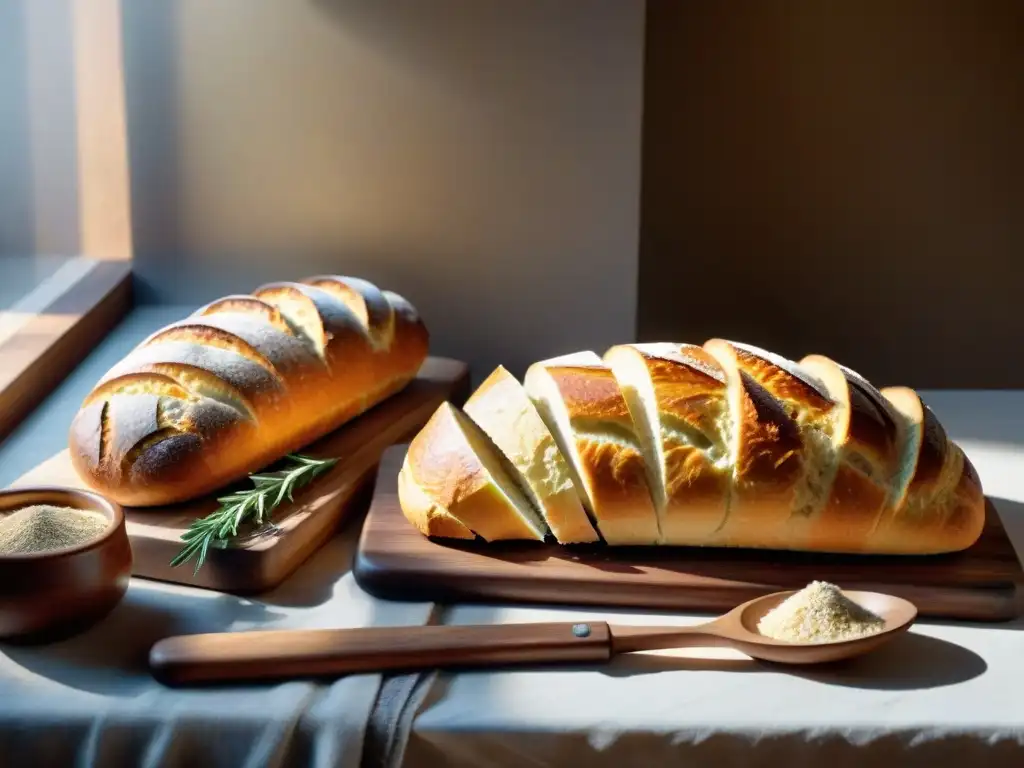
738 629
897 613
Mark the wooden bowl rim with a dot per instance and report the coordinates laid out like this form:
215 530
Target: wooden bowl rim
90 500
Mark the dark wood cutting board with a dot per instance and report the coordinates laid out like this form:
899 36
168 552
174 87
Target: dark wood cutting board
300 528
394 561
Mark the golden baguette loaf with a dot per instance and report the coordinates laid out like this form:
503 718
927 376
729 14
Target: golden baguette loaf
240 383
722 444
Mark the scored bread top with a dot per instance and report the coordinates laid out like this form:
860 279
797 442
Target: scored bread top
503 410
782 377
581 403
677 397
873 432
365 301
723 445
808 407
238 384
867 457
938 482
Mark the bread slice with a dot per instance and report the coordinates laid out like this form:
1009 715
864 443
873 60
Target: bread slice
806 402
766 454
868 453
677 396
937 504
503 410
580 401
451 473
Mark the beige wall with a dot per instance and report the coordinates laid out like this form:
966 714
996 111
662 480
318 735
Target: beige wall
839 177
480 156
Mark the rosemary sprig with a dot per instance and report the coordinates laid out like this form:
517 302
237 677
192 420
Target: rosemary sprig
255 504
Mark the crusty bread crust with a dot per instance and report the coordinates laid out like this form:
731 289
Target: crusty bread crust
943 501
730 445
868 459
423 512
767 464
583 407
677 397
805 404
475 495
501 407
240 383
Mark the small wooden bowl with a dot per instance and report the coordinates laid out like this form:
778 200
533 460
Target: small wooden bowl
51 595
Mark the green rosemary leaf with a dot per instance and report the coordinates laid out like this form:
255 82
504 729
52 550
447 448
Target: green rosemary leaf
192 532
281 492
260 480
232 499
260 508
254 504
202 555
182 557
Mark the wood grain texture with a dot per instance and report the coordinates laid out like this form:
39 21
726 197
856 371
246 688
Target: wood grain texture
263 561
395 561
58 337
282 654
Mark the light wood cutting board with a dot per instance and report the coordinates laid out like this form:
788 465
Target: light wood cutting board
264 561
395 561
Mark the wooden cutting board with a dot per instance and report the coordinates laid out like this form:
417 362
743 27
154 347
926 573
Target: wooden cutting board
263 561
395 561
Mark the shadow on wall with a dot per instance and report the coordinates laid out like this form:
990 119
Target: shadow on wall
838 178
480 158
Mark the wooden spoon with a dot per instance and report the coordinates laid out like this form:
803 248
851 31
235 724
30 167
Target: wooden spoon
289 653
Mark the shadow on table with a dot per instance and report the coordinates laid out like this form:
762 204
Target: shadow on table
910 662
110 658
313 582
1011 513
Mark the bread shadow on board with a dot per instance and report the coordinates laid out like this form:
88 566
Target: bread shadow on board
720 562
603 558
